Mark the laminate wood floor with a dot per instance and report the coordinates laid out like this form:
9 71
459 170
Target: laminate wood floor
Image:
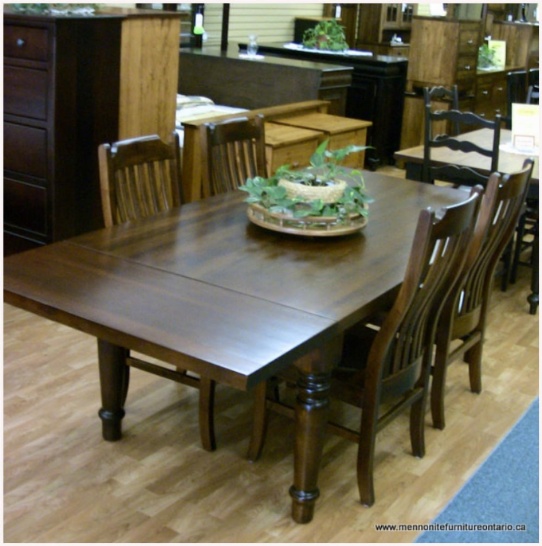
63 483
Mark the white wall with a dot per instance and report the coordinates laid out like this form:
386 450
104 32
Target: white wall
270 22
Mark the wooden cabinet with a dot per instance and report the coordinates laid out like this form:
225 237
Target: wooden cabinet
443 52
378 23
270 81
491 94
71 83
289 145
339 130
522 42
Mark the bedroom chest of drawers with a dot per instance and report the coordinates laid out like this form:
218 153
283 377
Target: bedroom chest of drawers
63 96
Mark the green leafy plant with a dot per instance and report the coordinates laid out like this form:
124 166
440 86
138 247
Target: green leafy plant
324 170
486 57
327 35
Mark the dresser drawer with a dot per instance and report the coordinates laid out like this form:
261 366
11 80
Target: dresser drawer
466 67
25 150
26 43
25 92
468 41
25 206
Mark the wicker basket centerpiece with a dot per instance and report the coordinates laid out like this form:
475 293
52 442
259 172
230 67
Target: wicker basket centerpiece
323 199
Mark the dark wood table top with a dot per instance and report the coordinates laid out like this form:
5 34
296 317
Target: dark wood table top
239 302
204 282
509 161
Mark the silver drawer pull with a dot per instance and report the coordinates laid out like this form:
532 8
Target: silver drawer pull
467 67
470 42
500 88
486 92
20 42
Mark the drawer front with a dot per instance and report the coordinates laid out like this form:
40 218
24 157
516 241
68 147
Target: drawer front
25 206
359 138
25 92
26 43
468 41
466 66
25 150
296 155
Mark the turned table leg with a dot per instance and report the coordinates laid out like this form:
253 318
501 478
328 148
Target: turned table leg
311 417
310 420
114 378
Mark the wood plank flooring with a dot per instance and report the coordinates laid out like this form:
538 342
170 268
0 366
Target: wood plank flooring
63 483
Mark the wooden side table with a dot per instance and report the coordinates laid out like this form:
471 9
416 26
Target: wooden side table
285 145
341 132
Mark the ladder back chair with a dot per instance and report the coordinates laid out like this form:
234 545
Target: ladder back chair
464 316
385 371
439 94
232 151
140 177
454 173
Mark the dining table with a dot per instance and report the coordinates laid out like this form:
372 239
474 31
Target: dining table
510 159
203 286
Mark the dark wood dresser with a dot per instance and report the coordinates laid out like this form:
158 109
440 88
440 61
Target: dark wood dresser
64 94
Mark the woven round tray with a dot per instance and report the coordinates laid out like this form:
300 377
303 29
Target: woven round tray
310 226
328 194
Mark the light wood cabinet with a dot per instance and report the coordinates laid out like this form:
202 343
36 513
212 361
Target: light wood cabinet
522 42
491 94
70 83
443 52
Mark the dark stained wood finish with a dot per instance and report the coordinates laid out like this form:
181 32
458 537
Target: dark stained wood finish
463 321
139 177
239 302
508 162
270 81
60 101
232 150
433 140
385 371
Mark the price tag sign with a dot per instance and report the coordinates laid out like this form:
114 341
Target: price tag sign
525 127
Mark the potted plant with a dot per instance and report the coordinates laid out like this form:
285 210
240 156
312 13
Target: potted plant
323 193
327 35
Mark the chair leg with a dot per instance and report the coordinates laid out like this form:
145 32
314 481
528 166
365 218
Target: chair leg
366 452
520 234
507 265
438 385
473 357
533 297
417 426
206 413
259 424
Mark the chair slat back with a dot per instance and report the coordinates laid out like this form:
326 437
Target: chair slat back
139 177
233 151
439 93
465 120
501 207
404 342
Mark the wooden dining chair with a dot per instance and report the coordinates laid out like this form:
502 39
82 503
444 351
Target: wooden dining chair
232 151
386 370
462 323
434 96
454 173
140 177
